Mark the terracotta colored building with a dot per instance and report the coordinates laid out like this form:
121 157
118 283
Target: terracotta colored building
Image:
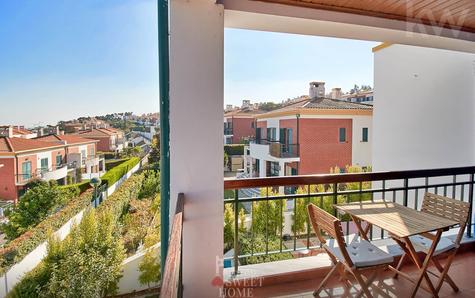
110 139
312 136
239 125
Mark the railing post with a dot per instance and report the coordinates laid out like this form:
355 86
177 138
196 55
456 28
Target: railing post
236 231
470 200
335 196
405 194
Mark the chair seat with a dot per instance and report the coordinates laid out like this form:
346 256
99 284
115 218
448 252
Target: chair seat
423 243
362 253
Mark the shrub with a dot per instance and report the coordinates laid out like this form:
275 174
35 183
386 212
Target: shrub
136 223
87 263
82 186
234 149
150 185
36 204
116 173
17 249
114 163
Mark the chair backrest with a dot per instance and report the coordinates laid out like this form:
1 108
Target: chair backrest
323 221
448 208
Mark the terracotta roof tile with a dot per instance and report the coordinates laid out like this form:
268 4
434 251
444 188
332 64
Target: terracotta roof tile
20 144
69 139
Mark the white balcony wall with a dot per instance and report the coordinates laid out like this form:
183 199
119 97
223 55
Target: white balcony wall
424 108
55 174
196 137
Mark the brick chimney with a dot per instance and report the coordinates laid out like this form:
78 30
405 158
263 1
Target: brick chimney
316 90
336 93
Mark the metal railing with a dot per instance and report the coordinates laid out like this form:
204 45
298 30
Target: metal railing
280 150
37 174
272 211
228 131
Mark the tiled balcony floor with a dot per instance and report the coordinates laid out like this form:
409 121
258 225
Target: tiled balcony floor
462 272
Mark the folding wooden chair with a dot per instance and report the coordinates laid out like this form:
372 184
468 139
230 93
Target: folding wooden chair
450 209
359 257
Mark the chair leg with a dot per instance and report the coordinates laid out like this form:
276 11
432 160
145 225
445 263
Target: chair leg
399 265
444 276
364 284
325 280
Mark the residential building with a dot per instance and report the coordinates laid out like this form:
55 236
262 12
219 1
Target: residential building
17 131
199 76
311 136
365 97
27 159
427 125
81 155
239 123
110 139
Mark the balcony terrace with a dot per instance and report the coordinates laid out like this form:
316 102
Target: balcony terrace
272 255
54 173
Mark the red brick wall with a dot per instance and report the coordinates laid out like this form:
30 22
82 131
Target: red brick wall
91 149
320 148
104 143
242 128
73 149
31 158
8 190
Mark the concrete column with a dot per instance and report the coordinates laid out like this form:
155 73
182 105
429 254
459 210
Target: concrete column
196 137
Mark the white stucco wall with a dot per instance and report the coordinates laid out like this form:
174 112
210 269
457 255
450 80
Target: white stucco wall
424 108
196 106
361 151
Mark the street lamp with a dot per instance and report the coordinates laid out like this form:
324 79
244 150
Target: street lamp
95 182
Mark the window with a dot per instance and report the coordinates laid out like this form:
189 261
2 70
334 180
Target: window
26 170
44 164
271 134
274 169
59 160
342 134
258 135
253 124
364 137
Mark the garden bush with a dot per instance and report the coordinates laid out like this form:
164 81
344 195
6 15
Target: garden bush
114 163
114 174
40 201
15 250
82 186
234 149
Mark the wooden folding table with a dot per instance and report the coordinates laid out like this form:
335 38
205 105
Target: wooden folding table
401 223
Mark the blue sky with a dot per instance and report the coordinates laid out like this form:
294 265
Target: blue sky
64 59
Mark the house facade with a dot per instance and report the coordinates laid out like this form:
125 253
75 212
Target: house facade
81 155
26 159
239 124
110 139
312 136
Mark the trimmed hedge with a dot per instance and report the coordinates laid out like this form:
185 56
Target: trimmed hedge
114 163
83 186
17 249
114 174
235 149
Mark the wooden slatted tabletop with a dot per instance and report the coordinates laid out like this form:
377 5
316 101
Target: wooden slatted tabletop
396 219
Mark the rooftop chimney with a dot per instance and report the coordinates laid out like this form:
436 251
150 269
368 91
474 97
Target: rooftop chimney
317 90
246 103
6 131
336 93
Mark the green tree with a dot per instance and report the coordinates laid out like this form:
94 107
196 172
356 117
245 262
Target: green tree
41 200
88 262
149 268
150 185
154 156
268 216
228 226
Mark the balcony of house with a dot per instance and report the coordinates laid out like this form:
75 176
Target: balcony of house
271 249
54 173
228 131
279 150
94 166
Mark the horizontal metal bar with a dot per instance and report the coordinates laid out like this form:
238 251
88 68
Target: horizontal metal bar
342 178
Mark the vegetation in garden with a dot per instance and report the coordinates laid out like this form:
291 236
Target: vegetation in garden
40 200
88 262
15 250
114 174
